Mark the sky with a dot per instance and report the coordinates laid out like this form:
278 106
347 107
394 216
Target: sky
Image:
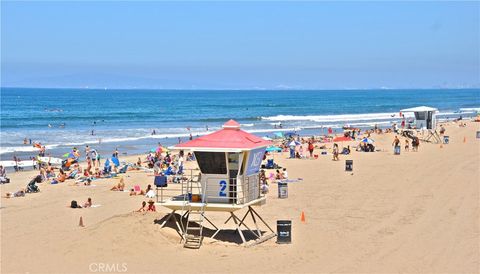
240 45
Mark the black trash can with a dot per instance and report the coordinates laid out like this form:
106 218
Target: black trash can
348 165
284 231
282 190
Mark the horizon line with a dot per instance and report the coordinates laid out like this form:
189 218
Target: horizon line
246 89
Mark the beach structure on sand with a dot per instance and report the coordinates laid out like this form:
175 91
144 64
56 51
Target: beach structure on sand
426 119
228 181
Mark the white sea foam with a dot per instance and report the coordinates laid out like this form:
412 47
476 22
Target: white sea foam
476 109
336 118
4 150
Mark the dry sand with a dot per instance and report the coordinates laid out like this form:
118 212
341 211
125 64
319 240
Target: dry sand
413 213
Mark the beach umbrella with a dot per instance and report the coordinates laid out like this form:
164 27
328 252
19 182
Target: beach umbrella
368 141
293 143
273 149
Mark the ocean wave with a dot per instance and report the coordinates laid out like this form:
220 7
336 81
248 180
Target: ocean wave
13 149
337 118
474 109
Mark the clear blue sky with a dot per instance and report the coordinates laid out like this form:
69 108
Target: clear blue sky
240 45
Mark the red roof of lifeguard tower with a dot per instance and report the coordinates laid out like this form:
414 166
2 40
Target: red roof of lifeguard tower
231 136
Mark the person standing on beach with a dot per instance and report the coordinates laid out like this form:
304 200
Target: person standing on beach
310 148
335 152
396 145
87 152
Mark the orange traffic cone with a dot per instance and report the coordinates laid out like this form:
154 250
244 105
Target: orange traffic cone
302 217
81 222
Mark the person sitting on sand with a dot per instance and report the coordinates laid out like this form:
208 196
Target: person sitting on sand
20 193
139 162
442 130
278 175
49 172
88 203
120 186
61 177
3 176
143 208
151 206
149 187
284 174
133 192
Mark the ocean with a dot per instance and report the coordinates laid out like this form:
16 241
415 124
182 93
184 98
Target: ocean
125 119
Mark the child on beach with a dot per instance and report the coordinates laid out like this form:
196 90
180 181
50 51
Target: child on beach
143 208
407 146
151 206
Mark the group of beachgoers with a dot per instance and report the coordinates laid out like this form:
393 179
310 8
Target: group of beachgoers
303 147
279 176
161 162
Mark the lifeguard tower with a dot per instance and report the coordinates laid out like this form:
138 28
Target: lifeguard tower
228 181
426 118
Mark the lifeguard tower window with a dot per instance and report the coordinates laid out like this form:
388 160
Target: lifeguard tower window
211 162
420 116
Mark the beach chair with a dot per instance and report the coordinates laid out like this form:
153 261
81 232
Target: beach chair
123 169
160 182
270 164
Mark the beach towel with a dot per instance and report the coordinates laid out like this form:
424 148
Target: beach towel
95 206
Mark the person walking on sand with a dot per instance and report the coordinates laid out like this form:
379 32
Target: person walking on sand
335 152
310 148
407 145
396 145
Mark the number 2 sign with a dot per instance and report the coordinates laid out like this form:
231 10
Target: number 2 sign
223 186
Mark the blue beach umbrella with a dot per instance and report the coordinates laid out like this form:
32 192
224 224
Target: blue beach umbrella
368 141
274 149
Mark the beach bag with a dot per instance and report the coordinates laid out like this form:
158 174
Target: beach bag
74 204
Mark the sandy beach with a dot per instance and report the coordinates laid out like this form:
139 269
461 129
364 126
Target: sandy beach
417 212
